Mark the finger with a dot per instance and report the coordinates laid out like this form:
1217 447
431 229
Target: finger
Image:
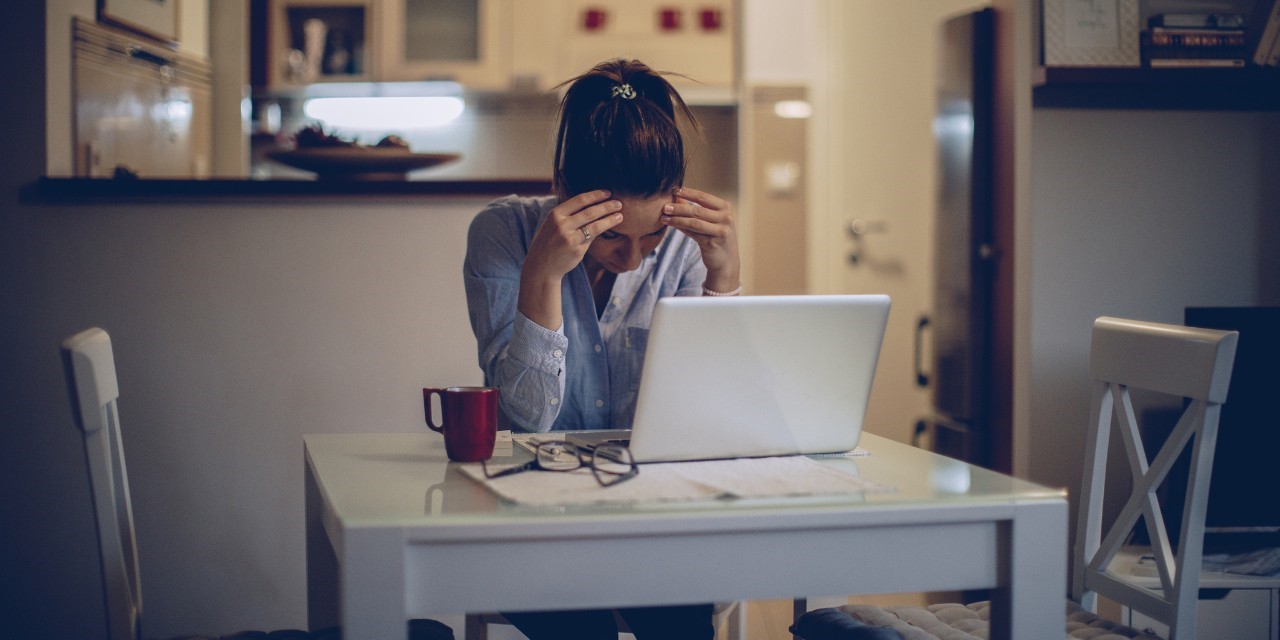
695 226
580 202
701 197
693 211
593 213
593 229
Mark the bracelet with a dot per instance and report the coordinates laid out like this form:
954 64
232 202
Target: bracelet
708 292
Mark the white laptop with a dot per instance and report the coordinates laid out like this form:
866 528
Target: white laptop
754 376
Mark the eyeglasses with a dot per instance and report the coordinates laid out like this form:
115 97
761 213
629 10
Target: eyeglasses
609 463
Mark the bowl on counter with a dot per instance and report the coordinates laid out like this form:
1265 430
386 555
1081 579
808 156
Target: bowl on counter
359 162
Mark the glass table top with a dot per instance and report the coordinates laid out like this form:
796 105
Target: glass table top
406 479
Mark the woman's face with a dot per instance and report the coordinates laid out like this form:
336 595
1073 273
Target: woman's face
621 248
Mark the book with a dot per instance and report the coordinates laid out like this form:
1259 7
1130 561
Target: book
1195 62
1171 43
1199 20
1160 36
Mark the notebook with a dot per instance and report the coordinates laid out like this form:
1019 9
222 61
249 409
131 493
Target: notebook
753 376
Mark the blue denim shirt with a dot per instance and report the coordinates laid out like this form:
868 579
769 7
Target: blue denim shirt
585 374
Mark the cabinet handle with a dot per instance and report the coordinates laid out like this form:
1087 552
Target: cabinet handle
922 378
138 53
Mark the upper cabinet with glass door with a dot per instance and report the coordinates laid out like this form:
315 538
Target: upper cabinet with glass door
321 41
466 41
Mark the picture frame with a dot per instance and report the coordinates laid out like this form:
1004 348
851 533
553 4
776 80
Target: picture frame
156 19
1091 33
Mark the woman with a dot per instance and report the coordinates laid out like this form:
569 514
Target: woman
561 290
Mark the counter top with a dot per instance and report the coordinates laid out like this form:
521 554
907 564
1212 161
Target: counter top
88 190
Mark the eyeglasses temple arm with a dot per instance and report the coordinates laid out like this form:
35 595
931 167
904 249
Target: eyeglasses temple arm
533 464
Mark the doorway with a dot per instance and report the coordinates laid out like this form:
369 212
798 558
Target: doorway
874 177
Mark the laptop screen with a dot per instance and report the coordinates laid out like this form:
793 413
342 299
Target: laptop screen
757 376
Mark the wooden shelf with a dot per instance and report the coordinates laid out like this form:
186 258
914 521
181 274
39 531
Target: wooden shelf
1244 89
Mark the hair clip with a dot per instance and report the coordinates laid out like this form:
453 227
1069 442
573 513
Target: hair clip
623 91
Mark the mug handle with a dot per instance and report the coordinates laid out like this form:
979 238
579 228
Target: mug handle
426 405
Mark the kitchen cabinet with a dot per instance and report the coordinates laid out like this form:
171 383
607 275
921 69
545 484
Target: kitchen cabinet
467 41
555 40
692 37
499 45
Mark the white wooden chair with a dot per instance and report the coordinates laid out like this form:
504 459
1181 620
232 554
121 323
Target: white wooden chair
91 376
91 380
1180 361
1193 364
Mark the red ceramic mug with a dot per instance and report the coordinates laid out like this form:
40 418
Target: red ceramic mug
468 420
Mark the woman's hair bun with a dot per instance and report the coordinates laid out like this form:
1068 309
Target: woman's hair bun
618 131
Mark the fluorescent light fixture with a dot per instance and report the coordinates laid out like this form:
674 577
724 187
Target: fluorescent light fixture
381 113
792 109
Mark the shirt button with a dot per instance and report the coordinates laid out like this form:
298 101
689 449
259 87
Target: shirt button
599 403
598 348
555 401
557 354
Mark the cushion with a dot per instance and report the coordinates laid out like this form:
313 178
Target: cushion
834 624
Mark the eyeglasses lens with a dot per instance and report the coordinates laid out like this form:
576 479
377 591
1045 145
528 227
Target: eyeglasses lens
613 460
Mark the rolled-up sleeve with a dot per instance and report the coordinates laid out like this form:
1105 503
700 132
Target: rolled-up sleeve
530 373
525 361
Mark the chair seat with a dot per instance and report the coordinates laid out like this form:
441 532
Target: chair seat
942 622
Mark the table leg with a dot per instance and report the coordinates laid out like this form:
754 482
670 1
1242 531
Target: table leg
364 591
322 563
1031 602
373 585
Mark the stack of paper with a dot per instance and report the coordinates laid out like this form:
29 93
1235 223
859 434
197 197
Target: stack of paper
674 481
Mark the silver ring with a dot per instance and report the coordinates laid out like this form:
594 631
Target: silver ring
586 235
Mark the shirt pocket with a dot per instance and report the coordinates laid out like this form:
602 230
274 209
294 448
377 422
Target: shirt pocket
636 340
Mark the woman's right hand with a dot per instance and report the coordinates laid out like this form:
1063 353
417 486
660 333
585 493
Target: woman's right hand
558 246
561 241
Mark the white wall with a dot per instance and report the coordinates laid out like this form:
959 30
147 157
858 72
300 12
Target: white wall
1137 214
779 46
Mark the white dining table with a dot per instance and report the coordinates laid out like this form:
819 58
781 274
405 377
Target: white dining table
396 531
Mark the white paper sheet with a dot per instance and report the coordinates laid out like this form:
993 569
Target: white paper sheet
678 481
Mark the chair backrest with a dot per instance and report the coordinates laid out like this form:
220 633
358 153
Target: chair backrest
1194 364
91 379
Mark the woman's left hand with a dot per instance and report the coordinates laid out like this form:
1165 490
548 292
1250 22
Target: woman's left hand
709 221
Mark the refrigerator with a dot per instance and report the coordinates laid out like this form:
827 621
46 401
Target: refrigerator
953 342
